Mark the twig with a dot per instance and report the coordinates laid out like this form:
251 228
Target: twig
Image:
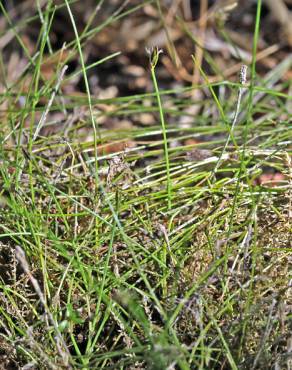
45 113
199 47
265 335
60 343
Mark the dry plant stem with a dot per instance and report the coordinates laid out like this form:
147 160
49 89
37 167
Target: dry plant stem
199 51
220 6
260 56
171 47
265 335
35 346
237 110
173 9
44 115
187 9
61 345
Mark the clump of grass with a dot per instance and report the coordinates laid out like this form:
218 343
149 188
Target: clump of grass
161 255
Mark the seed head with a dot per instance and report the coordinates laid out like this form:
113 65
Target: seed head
242 74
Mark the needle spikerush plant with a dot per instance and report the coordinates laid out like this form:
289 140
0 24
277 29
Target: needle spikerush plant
170 253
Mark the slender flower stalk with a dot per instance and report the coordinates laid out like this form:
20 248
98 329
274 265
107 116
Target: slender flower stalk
154 57
242 80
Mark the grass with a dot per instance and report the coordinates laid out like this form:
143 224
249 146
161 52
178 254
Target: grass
167 254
